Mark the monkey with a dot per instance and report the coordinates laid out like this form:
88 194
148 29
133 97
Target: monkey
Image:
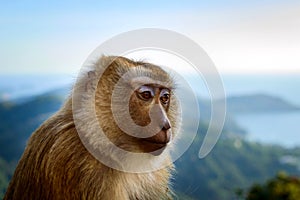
57 165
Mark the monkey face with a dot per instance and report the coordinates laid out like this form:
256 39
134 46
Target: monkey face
154 99
134 106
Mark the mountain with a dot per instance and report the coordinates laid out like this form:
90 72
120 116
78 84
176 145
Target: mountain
6 172
19 120
234 162
258 103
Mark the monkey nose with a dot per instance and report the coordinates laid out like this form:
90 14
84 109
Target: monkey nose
166 125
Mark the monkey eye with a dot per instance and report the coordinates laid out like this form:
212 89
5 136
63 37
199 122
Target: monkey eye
145 93
165 96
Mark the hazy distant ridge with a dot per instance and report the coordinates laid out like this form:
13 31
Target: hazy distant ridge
259 103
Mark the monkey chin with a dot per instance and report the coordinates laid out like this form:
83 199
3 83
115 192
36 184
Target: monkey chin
158 152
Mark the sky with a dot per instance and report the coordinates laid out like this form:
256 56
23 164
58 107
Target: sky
241 37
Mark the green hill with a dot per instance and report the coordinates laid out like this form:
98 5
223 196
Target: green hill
234 162
18 121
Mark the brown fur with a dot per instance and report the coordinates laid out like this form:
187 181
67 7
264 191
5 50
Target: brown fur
56 165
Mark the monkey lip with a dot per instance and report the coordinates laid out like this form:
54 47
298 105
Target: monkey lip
154 148
162 138
155 143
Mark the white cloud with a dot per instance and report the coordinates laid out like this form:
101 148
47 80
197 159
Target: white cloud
263 41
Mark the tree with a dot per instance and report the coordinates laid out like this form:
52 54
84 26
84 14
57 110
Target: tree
282 187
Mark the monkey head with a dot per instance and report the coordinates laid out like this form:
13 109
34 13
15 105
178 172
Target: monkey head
142 106
126 113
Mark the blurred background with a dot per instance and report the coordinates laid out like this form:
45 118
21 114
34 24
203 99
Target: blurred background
255 45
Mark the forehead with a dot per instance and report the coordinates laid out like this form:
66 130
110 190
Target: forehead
136 74
137 82
154 86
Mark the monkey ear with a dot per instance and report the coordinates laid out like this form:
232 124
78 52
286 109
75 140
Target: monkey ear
90 78
89 84
91 74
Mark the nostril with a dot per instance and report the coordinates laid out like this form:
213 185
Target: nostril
167 125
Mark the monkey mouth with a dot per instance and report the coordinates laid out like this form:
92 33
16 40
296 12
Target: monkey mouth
156 144
163 137
153 148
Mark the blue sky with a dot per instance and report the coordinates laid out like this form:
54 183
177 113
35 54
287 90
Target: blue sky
240 36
